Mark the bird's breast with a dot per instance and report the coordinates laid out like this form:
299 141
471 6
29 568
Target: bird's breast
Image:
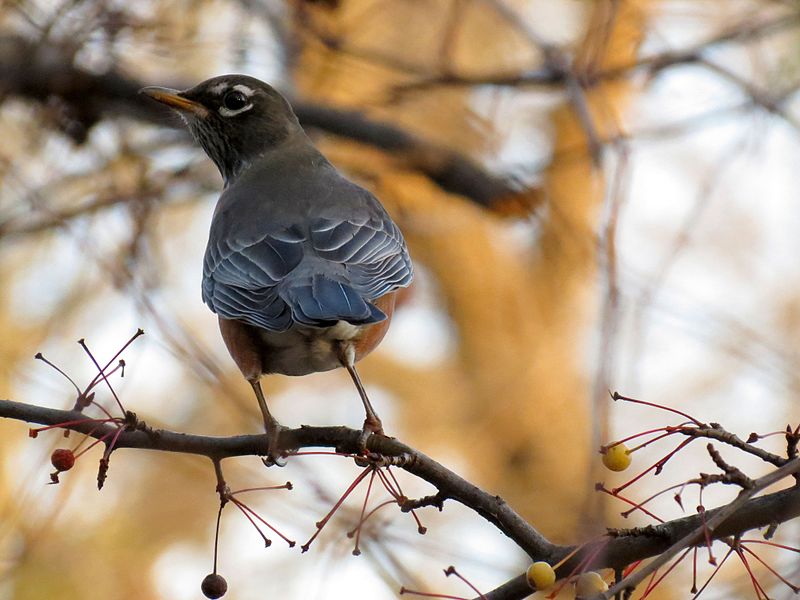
301 350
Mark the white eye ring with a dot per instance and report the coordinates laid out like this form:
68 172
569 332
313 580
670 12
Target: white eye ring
244 93
227 112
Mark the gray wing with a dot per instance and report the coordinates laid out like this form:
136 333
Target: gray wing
323 271
241 274
371 248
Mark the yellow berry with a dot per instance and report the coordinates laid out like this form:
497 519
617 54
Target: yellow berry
541 575
617 457
589 584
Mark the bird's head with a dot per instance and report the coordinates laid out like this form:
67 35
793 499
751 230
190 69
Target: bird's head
235 118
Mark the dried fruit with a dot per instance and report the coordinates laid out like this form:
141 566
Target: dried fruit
62 459
214 586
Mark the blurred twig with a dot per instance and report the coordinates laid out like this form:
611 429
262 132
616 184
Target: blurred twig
550 74
41 72
57 218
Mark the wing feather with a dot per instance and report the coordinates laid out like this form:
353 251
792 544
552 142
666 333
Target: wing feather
310 272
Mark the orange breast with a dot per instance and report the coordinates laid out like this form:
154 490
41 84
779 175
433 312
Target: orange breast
373 334
300 350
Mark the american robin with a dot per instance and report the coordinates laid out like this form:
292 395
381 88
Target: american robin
302 265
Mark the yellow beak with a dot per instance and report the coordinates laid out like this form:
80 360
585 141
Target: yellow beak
173 99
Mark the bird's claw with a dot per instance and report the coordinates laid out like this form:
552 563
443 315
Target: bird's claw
274 456
371 425
274 461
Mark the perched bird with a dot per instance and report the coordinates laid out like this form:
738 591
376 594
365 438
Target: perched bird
302 265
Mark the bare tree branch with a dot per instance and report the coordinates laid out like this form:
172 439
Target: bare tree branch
712 523
623 548
449 485
44 71
552 74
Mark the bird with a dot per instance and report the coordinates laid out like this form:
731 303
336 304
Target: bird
302 265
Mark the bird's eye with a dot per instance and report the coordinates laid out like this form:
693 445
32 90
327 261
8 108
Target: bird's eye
234 100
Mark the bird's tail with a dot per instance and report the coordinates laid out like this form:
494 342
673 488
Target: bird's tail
320 301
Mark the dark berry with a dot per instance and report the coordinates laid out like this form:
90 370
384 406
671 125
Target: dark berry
214 586
63 459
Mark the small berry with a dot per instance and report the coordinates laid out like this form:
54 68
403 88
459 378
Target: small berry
589 584
540 575
62 459
214 586
617 457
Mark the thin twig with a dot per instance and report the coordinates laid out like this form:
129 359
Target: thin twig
712 522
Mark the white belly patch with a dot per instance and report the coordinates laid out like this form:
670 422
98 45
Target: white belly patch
302 350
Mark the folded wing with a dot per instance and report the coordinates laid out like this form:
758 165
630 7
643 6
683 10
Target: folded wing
325 270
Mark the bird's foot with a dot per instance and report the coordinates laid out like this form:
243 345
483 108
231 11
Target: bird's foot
372 424
274 456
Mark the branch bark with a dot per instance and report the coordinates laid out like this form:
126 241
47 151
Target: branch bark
626 547
450 485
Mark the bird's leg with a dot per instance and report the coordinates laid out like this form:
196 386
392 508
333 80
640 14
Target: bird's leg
271 426
372 423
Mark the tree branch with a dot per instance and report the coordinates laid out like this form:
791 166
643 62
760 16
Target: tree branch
550 74
43 71
717 524
449 484
623 548
646 542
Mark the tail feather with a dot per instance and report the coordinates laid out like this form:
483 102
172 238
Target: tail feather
321 301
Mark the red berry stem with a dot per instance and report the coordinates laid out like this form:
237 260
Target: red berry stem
35 432
601 488
706 533
768 543
716 570
657 466
400 496
640 505
451 570
326 518
404 591
246 508
653 584
650 582
372 511
102 373
95 442
671 431
216 535
40 356
617 396
238 504
757 587
283 486
361 519
666 428
789 584
587 560
630 569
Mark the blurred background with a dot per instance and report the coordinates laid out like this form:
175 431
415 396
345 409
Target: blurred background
597 195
